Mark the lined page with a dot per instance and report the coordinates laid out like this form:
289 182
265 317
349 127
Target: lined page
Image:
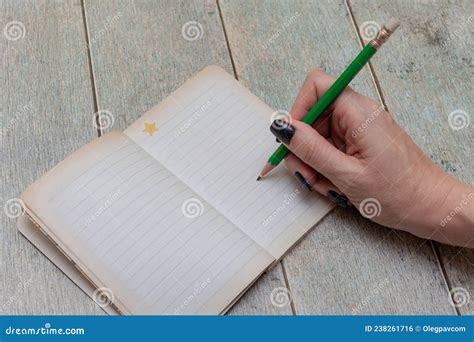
214 135
142 233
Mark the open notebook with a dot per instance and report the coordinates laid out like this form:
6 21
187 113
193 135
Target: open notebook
167 215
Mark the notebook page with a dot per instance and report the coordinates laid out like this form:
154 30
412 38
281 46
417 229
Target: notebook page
137 230
214 135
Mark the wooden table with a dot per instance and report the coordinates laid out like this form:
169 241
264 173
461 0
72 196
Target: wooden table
79 57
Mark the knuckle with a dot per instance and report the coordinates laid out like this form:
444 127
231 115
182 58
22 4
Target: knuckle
315 73
310 153
356 178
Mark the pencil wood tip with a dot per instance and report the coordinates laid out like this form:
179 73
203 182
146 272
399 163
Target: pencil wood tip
266 169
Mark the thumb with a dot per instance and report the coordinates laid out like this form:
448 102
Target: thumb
314 150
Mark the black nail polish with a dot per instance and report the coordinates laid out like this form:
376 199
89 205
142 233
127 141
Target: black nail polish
303 181
339 199
282 130
277 140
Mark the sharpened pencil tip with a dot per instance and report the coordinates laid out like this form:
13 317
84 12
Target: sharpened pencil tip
266 169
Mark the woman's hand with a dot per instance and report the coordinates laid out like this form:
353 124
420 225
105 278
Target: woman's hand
357 154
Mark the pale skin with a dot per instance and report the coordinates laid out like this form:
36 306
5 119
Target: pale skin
359 151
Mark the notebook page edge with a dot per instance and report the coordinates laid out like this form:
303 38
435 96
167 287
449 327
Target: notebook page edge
49 250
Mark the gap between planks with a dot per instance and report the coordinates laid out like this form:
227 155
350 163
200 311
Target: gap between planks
91 69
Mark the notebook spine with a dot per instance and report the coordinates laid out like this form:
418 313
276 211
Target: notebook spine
37 225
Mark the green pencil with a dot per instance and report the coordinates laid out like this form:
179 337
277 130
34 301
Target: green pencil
336 89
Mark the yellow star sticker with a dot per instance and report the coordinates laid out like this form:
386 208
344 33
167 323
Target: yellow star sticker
150 128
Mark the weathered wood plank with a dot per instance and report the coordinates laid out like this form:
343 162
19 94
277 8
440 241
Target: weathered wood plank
269 296
47 109
347 264
427 77
140 55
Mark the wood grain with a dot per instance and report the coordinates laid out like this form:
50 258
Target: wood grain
140 55
427 76
347 264
47 110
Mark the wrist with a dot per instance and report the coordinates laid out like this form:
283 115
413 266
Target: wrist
456 219
447 216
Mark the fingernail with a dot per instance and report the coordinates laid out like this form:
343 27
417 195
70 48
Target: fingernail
282 130
303 181
339 199
278 140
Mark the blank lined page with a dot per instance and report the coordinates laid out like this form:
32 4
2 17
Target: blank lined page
214 135
141 232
